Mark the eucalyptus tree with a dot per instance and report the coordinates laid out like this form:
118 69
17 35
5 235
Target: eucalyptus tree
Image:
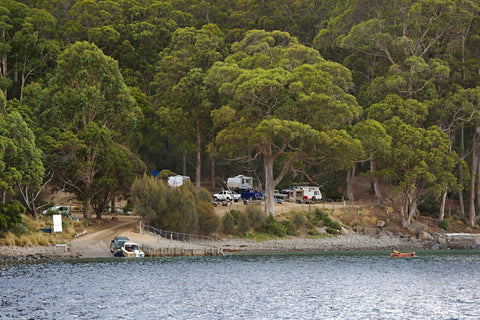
185 110
278 93
420 160
36 47
12 14
20 159
377 144
86 109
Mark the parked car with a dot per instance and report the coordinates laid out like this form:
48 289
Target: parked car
226 195
57 210
116 245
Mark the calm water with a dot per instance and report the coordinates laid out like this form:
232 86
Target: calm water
333 286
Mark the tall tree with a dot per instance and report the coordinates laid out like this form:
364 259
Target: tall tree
20 159
280 83
90 108
185 110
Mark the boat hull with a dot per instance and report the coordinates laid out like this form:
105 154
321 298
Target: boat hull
402 254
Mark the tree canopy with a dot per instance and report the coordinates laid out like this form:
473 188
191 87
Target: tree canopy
99 92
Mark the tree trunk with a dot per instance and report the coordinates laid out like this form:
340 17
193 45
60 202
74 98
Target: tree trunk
376 185
212 172
409 208
269 185
184 168
471 193
460 174
350 178
443 199
198 169
88 208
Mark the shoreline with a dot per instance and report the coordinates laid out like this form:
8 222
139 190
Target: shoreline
341 243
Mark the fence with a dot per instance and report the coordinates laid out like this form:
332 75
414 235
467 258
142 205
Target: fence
178 236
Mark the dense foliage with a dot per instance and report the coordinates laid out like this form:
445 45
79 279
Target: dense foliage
95 93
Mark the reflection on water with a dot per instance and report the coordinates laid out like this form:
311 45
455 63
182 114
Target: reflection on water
324 286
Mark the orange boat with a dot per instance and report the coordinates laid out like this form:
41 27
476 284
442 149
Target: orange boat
396 254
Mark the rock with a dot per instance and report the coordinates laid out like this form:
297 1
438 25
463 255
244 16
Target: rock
416 228
425 236
385 235
345 231
381 223
322 230
370 231
462 244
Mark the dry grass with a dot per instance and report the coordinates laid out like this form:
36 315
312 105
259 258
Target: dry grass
35 237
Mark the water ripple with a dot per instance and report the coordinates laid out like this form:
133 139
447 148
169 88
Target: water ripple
342 286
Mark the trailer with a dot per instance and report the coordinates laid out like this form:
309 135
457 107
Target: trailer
240 182
307 194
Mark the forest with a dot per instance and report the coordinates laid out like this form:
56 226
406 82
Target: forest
96 93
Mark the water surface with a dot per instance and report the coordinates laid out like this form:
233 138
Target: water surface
314 286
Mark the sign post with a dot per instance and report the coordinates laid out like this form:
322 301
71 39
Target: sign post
57 223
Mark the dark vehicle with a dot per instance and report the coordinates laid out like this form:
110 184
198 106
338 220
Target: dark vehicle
251 195
117 244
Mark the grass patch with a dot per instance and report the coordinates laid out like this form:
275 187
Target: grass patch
31 235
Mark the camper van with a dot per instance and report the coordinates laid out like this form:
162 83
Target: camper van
177 181
240 182
305 193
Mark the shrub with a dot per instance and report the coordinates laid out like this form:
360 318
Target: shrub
208 221
19 229
289 228
235 214
228 223
10 214
320 214
256 215
332 230
444 224
270 225
299 220
243 223
332 226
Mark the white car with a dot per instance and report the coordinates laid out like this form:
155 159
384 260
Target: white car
57 210
226 195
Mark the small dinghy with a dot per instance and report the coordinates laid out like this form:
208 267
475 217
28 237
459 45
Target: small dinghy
396 254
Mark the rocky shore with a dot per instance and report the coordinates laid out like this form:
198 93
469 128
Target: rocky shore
383 241
351 242
14 253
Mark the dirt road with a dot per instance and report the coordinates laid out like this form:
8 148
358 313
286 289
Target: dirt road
97 244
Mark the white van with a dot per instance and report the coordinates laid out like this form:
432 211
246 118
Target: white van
308 193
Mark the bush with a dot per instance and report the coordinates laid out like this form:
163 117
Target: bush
321 214
208 221
289 228
243 223
256 215
10 215
444 224
235 214
332 226
332 230
299 220
271 226
228 223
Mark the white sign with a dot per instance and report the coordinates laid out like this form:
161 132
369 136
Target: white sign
57 223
